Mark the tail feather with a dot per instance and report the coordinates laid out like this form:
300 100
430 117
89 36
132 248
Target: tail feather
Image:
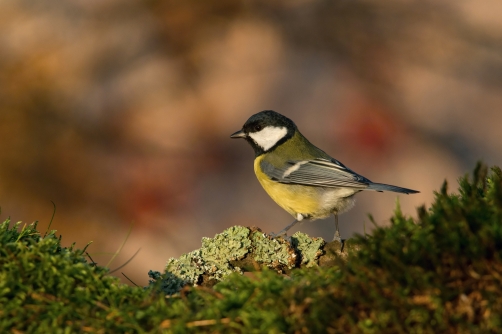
388 187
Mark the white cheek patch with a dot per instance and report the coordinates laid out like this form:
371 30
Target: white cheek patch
268 136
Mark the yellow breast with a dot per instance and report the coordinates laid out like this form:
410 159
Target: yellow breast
292 198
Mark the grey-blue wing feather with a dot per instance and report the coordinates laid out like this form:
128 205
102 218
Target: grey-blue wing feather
316 172
324 173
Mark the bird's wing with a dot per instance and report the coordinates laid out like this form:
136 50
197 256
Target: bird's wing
316 172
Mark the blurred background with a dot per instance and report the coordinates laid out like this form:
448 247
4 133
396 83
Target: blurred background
120 112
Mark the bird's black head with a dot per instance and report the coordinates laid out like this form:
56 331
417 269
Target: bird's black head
266 130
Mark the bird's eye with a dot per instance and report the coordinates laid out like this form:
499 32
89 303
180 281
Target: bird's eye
257 127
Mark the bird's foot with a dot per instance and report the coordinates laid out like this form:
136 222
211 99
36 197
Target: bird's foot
282 234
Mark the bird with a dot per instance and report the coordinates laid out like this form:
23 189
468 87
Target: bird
300 177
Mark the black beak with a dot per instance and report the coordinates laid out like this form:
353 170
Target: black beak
238 134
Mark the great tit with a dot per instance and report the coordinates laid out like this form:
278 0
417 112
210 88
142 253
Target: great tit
301 178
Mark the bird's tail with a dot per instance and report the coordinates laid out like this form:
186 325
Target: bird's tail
388 187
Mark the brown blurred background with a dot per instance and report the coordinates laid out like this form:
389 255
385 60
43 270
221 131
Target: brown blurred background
121 112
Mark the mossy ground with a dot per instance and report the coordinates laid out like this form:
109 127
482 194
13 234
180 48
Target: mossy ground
440 274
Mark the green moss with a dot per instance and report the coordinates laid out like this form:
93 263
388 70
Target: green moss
47 288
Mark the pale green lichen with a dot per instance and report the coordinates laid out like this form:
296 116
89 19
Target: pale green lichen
231 244
212 260
308 248
219 256
275 253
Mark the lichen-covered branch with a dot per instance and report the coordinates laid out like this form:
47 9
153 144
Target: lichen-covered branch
242 249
